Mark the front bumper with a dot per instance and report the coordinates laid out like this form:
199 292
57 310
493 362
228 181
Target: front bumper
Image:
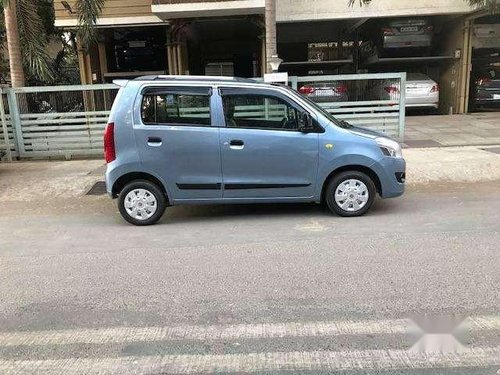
392 175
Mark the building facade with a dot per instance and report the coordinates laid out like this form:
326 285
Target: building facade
227 37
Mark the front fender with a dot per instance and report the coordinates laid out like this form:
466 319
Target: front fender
328 167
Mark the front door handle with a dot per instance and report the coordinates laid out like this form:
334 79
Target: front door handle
237 144
154 141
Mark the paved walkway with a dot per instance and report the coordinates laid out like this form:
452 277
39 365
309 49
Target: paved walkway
456 130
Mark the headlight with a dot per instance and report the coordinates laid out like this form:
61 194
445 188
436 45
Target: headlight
389 147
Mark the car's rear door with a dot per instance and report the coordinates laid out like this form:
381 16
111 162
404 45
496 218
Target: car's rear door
176 138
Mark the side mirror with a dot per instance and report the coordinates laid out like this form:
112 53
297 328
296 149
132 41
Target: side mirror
306 123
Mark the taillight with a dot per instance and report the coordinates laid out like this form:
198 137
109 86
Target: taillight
109 143
387 31
391 89
342 89
307 90
435 88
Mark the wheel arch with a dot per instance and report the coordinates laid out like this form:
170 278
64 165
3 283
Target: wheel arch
123 180
354 167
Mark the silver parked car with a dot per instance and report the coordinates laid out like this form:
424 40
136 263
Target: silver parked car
403 37
421 91
409 33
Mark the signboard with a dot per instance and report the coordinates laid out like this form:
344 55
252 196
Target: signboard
486 36
276 78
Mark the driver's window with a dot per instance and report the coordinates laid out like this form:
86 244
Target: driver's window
250 111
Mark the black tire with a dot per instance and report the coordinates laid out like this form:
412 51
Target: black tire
161 202
334 184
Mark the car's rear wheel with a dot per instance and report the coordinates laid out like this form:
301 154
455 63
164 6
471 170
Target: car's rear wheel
142 203
350 194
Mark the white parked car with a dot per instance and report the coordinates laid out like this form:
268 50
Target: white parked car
421 91
325 92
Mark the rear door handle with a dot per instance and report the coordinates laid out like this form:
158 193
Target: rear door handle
154 141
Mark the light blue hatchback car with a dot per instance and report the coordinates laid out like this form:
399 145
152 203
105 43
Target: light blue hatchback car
175 140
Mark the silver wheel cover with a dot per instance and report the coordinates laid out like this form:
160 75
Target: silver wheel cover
140 204
352 195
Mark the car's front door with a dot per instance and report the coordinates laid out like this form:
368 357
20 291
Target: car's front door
176 139
264 155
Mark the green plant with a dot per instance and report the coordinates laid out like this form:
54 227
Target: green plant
493 6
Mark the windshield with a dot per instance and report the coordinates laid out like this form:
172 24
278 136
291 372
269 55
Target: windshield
340 123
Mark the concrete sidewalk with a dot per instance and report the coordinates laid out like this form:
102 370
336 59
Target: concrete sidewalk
456 130
31 181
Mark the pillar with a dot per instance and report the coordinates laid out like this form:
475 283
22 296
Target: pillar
271 48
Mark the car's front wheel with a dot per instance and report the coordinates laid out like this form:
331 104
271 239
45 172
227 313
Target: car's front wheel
350 194
142 203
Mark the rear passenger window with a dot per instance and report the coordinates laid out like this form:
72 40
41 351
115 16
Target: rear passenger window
175 109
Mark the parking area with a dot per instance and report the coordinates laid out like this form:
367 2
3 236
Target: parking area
429 49
457 130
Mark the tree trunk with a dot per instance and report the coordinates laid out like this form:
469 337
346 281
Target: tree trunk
270 32
13 45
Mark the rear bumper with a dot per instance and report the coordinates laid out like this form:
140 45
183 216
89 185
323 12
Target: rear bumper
422 101
488 98
422 105
114 171
110 180
392 175
329 99
398 41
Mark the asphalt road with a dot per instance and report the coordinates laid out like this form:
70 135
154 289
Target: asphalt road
236 289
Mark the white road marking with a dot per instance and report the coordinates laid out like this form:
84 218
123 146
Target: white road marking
257 362
312 226
482 323
203 333
438 343
229 332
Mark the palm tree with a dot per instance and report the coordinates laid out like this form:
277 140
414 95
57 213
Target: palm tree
25 31
33 40
13 43
88 12
361 2
492 6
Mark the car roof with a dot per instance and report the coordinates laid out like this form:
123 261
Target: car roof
187 78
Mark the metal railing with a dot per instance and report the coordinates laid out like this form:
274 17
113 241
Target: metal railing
374 101
59 120
7 135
